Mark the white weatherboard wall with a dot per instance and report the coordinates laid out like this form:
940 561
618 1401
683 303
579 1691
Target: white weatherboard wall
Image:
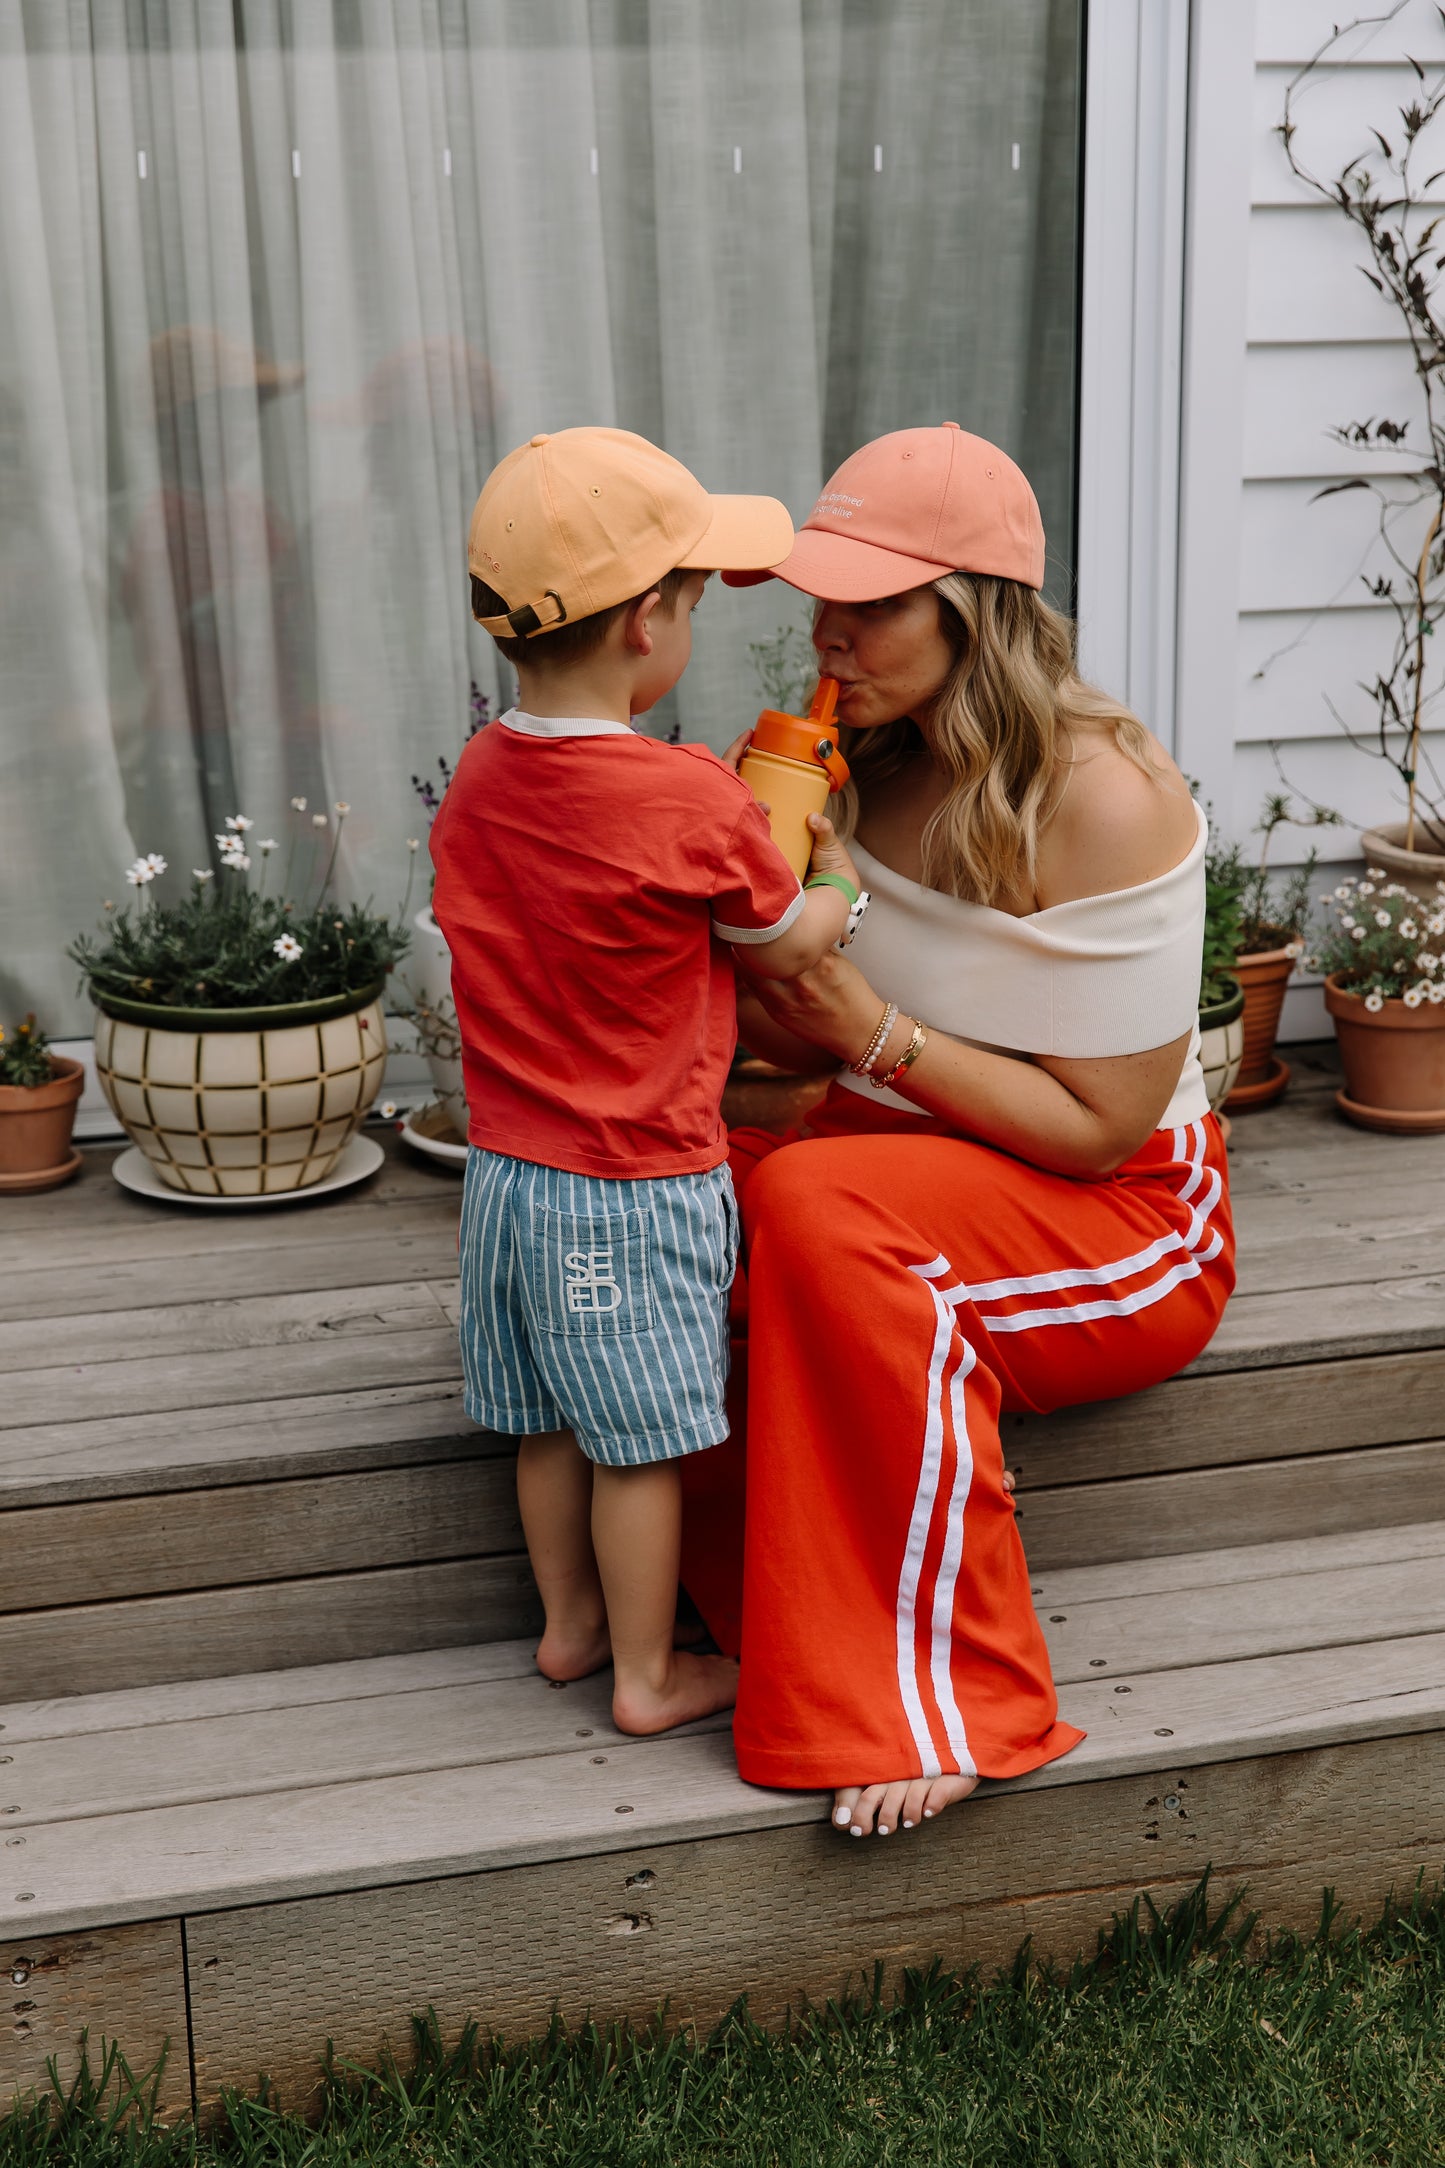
1321 348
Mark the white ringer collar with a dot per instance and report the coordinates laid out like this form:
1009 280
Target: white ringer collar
562 726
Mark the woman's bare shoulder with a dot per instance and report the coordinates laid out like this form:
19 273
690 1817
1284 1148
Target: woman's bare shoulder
1115 826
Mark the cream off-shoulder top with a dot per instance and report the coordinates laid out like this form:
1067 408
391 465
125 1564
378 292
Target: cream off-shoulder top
1104 975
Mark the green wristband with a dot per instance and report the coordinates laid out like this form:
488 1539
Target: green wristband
833 880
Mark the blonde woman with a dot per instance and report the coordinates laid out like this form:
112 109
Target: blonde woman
1014 1195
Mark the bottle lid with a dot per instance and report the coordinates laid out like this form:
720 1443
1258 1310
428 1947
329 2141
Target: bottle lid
807 738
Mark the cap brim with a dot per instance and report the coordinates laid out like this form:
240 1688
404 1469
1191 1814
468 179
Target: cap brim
839 568
745 534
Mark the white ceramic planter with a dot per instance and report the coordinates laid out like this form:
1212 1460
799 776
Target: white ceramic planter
1221 1045
1420 871
240 1107
428 980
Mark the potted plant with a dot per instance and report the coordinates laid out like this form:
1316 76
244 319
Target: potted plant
1395 210
240 1038
1274 908
38 1095
1384 960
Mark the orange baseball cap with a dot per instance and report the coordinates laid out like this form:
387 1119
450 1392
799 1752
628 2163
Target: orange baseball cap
906 509
575 523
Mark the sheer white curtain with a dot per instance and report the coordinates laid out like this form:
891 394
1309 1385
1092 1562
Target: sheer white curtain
280 279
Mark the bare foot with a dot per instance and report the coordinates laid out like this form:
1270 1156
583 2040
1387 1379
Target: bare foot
898 1805
573 1651
695 1686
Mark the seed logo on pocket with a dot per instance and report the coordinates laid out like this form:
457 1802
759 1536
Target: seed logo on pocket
589 1282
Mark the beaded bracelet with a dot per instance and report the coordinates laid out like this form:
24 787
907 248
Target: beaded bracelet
905 1061
876 1044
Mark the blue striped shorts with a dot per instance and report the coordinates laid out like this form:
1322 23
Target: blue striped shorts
597 1306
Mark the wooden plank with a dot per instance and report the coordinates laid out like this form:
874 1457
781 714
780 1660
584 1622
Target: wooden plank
90 1648
1086 1523
391 1352
162 1249
118 1456
146 1763
1245 1562
327 1837
1202 1421
58 1555
1313 1323
404 1246
790 1913
1289 1239
237 1321
73 1716
126 1983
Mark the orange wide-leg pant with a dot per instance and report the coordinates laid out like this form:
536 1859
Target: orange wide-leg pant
853 1540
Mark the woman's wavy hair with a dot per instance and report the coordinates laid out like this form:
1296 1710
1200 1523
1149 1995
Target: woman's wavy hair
998 730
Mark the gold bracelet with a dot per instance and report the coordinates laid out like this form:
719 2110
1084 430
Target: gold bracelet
876 1044
906 1060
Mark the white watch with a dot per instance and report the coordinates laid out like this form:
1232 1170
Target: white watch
854 919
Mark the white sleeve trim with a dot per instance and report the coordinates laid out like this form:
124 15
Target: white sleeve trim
747 936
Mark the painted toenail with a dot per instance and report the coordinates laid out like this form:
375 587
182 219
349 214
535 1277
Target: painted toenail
855 1831
882 1829
841 1817
928 1814
908 1825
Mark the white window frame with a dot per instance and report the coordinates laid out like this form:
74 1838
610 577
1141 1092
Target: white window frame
1167 119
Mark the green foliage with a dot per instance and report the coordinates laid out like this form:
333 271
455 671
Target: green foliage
786 667
1249 907
1384 942
25 1055
230 945
1186 2039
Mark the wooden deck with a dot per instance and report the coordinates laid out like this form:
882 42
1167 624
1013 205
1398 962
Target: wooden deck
275 1766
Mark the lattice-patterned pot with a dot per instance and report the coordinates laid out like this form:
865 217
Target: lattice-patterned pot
1221 1043
242 1102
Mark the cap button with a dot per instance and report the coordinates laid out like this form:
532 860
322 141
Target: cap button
543 439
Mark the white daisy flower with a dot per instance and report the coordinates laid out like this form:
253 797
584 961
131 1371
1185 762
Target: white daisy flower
1382 918
1347 920
1340 894
155 861
1376 873
1367 888
318 820
342 808
139 874
1374 1002
1414 995
239 822
1437 992
287 947
203 873
237 862
1357 933
388 1108
268 843
413 843
1436 924
298 805
1409 929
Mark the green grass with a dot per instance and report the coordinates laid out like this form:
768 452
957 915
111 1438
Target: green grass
1181 2044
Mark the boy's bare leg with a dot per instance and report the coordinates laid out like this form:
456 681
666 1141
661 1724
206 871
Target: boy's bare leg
637 1536
554 1493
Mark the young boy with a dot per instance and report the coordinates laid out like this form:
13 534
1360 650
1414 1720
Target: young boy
589 881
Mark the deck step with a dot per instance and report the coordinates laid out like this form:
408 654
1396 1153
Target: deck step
345 1843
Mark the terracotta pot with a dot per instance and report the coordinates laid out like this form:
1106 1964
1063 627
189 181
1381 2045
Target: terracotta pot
242 1102
1394 1063
1264 974
1221 1044
35 1125
1419 871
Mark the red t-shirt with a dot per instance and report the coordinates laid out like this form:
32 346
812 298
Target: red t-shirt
583 876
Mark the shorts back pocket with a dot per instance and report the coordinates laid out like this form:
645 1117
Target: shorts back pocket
590 1272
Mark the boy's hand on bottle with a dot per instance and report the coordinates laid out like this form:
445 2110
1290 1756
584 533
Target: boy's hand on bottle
829 855
732 757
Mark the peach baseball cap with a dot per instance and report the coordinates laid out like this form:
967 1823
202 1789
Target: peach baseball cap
909 507
574 523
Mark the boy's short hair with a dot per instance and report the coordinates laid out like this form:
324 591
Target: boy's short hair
576 638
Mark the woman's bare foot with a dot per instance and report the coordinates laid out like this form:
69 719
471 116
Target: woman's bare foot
856 1807
692 1686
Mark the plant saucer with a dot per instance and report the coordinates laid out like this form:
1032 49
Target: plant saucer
361 1158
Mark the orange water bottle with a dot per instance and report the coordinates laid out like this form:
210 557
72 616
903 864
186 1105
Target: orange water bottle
792 763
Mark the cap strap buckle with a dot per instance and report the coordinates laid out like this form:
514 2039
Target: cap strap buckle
525 621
